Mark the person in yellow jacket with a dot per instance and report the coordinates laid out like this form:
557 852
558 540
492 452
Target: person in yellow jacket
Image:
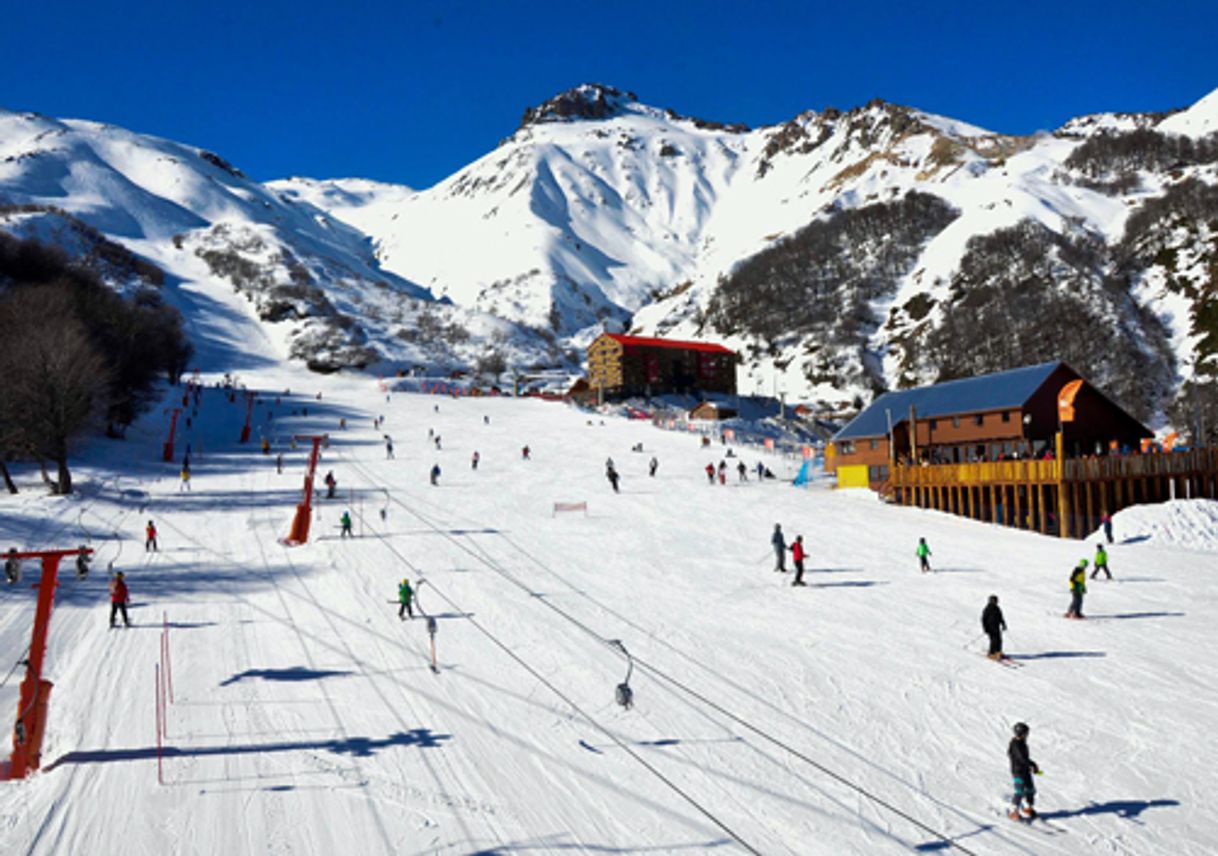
1078 588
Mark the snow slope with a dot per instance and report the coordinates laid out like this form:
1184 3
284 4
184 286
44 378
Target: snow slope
306 720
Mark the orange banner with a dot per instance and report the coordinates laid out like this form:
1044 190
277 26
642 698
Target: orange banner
1169 441
1065 400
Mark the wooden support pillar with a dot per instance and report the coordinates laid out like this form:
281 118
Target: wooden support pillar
1089 525
1018 512
1040 502
968 501
1118 501
994 504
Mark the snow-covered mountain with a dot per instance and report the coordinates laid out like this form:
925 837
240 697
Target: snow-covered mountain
840 252
148 207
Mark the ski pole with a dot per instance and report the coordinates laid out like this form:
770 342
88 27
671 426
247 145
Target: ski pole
974 640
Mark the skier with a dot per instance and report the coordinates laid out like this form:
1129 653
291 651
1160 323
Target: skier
611 474
185 483
652 466
1022 768
723 472
431 433
345 523
279 463
798 554
1101 562
437 442
524 453
405 595
150 537
710 473
608 464
12 566
435 475
82 563
923 552
331 484
486 420
1078 588
743 471
780 549
473 461
342 423
266 445
388 447
118 599
993 624
760 471
1107 521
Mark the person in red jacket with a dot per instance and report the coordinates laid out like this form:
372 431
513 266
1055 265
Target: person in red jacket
798 554
710 473
150 537
118 599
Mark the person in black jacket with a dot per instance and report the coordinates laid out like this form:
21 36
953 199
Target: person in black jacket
993 624
1022 768
779 543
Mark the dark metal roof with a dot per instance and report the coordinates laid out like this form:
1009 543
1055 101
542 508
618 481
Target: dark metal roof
968 395
646 342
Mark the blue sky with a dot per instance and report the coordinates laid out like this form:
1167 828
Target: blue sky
411 91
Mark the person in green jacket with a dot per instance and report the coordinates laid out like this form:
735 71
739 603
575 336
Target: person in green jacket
923 555
1078 588
1101 562
405 595
345 521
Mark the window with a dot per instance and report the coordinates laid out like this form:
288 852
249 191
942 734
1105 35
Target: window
877 473
1006 416
934 423
955 421
846 447
875 443
978 419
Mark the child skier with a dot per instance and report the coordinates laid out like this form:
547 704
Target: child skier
405 595
1022 768
798 554
118 599
345 523
1101 562
779 543
993 624
1078 588
923 555
150 537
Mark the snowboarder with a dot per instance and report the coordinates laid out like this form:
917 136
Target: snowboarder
279 463
388 447
798 554
780 549
405 596
345 523
150 538
611 474
473 460
1078 588
710 473
993 624
1022 768
1107 521
12 567
743 471
923 552
652 466
118 599
331 484
435 475
524 453
1101 562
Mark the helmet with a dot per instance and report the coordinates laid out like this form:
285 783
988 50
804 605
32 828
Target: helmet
1082 563
1020 729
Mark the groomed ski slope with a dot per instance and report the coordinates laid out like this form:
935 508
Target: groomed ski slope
306 718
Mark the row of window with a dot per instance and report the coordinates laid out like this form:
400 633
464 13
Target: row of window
978 419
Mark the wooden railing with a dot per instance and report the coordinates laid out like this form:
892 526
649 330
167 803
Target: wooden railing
990 472
1050 471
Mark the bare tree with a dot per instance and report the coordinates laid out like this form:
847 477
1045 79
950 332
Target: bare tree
52 380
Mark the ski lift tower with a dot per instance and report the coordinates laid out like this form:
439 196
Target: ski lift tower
167 450
250 398
35 692
304 512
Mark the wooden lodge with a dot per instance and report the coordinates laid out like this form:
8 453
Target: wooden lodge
620 366
1036 448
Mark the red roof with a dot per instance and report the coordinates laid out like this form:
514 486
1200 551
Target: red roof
645 342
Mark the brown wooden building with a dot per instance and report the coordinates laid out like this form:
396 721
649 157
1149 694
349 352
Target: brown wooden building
620 366
992 448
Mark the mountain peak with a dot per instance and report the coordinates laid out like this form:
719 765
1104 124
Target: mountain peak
586 101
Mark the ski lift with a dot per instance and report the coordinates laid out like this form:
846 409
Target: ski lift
624 695
12 567
82 563
385 507
432 627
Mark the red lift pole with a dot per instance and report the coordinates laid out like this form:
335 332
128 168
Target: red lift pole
250 397
167 452
304 512
35 692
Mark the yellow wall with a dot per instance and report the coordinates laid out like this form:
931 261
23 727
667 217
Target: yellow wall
854 475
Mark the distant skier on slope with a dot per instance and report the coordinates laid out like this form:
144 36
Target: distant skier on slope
405 596
279 463
435 475
612 475
652 466
1078 588
1022 769
798 554
388 447
118 599
1101 562
723 472
1107 521
345 524
710 473
993 624
474 459
150 537
923 552
779 543
524 453
12 566
331 484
